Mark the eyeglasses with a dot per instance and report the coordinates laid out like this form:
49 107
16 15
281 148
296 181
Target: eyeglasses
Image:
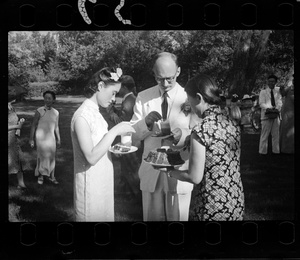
169 79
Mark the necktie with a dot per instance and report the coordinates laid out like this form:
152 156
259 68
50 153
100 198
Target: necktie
164 106
272 98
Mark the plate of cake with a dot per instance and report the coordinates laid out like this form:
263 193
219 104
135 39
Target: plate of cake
122 149
164 157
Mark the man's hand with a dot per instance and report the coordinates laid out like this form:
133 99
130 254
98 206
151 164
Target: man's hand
152 117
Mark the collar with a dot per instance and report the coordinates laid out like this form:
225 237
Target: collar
213 109
171 93
128 94
91 104
268 88
47 108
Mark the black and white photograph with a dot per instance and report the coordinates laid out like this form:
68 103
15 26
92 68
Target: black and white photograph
151 125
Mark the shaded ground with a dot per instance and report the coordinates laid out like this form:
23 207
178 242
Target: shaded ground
268 181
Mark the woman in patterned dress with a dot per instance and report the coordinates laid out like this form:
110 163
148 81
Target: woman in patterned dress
14 150
47 138
93 168
214 165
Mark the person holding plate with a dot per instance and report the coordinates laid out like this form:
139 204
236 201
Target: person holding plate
163 198
214 160
91 140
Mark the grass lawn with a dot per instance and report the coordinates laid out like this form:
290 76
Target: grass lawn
268 181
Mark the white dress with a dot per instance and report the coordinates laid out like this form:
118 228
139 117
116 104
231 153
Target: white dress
93 185
45 141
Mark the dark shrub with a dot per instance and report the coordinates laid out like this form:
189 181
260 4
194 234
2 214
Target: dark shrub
36 89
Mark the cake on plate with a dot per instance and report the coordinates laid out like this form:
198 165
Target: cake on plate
121 148
164 156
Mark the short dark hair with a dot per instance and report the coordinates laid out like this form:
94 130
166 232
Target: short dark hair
51 93
273 77
101 75
206 86
128 82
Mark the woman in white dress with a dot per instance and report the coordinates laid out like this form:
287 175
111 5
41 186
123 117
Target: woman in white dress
93 168
47 138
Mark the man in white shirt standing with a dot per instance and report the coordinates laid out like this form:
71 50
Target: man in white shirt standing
270 102
164 198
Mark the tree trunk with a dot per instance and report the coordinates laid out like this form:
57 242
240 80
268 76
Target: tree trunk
247 60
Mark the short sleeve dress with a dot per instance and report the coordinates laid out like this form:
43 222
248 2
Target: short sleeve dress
93 184
14 150
219 196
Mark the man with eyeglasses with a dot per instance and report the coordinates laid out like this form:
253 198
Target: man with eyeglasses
164 198
270 102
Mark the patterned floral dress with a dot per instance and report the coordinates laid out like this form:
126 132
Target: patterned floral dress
220 195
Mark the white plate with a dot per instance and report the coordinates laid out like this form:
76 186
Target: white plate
162 165
132 150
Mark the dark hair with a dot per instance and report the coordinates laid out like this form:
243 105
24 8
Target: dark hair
51 93
273 77
165 54
128 82
206 86
222 98
101 75
234 98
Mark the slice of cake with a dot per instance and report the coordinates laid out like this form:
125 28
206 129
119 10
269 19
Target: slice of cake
164 156
120 148
174 157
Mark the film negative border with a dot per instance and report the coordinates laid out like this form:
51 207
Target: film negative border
133 15
175 240
271 239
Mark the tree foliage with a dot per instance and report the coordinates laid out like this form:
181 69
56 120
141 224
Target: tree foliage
238 60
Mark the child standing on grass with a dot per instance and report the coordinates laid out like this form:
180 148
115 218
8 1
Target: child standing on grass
93 168
47 138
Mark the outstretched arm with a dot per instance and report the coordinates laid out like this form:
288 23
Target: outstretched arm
194 174
94 153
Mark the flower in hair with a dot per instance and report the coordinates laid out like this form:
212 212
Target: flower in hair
116 75
186 108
